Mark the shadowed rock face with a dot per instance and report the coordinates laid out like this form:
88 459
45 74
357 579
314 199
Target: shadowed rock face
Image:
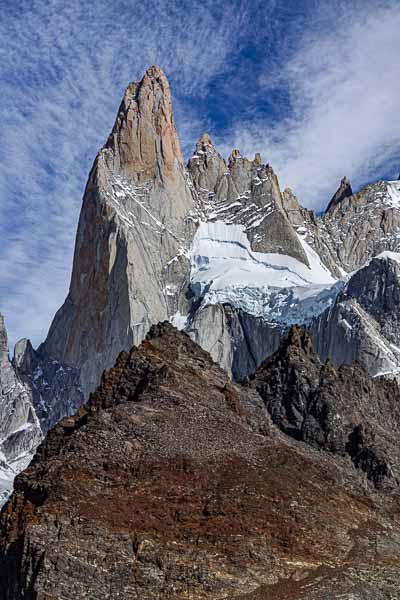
175 483
20 431
342 411
363 323
344 191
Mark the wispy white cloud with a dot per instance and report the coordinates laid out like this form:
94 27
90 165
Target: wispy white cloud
326 75
344 92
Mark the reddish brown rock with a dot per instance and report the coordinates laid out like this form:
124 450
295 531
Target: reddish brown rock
174 483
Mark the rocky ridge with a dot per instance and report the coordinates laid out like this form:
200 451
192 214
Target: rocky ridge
244 192
20 432
363 323
173 482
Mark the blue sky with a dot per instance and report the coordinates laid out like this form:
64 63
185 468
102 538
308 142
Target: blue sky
312 85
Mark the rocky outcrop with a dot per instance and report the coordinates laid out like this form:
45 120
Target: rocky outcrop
344 191
130 264
35 393
363 323
54 386
244 192
354 228
341 411
173 483
20 431
363 225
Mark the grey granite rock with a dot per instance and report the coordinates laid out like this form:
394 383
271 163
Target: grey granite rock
244 192
236 340
54 386
363 323
20 431
343 191
136 224
358 227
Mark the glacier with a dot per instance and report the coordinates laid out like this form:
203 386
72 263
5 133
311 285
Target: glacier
276 287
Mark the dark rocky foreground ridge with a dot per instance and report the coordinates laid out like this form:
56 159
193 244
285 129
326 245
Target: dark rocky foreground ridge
175 483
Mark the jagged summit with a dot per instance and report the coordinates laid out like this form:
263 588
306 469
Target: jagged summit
144 141
131 254
205 139
344 191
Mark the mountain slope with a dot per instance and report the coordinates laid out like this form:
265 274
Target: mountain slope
174 483
213 246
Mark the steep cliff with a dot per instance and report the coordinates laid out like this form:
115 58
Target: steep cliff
363 323
130 264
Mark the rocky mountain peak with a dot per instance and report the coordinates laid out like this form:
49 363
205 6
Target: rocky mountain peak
144 140
235 154
205 139
343 191
329 408
136 223
207 168
257 159
24 356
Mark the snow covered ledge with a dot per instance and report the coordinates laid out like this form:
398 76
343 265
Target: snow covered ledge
274 286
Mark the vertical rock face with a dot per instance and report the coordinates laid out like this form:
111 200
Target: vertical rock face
144 143
20 431
130 264
235 339
363 324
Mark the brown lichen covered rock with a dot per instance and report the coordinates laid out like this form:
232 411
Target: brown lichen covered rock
174 483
